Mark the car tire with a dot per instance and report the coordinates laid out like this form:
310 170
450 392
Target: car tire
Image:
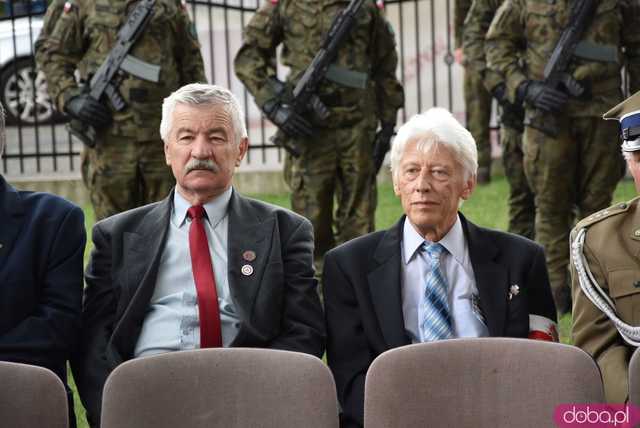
23 93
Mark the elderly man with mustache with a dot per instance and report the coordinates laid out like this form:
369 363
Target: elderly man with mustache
205 267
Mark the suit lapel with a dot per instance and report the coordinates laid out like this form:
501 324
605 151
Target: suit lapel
142 250
247 233
385 286
491 278
11 216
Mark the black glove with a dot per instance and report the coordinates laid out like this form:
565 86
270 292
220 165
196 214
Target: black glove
286 119
542 96
86 109
381 145
500 93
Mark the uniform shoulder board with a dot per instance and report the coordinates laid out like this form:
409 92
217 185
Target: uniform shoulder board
605 213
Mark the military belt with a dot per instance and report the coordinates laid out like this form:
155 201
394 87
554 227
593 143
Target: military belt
597 52
346 77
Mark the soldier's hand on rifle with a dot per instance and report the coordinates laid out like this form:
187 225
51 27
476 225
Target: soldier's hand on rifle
287 119
542 96
86 109
381 145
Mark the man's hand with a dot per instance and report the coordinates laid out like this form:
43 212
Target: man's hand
381 145
287 120
542 96
86 109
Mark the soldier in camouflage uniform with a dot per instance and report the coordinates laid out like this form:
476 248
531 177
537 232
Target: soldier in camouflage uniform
477 99
126 168
521 199
574 171
361 91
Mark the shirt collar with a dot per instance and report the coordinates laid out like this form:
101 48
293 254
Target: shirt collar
454 241
215 209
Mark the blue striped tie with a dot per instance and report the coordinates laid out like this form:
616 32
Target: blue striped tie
435 319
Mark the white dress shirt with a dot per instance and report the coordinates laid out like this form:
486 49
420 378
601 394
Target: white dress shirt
458 272
172 320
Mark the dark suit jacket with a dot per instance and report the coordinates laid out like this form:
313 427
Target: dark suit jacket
363 301
42 240
278 304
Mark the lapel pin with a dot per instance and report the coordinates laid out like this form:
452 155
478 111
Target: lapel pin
249 255
246 270
513 291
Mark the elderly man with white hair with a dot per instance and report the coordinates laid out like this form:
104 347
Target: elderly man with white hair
205 267
433 275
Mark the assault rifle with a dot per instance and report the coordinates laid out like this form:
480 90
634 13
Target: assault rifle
103 81
555 72
304 97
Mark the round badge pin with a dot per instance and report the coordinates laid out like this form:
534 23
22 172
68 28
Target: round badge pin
249 255
246 270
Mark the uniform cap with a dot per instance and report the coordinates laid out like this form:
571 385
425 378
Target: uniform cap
628 113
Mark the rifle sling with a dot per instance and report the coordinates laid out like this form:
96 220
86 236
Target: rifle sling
596 52
346 77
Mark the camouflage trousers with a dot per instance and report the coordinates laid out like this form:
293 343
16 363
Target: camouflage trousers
122 173
522 208
332 185
478 115
572 175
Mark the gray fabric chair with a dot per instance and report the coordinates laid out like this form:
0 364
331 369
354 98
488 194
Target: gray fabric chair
231 388
488 382
31 396
634 378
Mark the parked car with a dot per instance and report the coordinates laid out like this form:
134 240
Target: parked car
23 88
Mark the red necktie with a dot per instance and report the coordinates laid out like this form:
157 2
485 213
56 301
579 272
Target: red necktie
210 331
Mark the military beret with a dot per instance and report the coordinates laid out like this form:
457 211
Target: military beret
628 113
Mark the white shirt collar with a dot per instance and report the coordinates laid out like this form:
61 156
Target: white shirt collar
454 241
215 209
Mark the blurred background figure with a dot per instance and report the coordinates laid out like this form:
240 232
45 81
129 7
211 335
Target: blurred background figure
477 99
123 163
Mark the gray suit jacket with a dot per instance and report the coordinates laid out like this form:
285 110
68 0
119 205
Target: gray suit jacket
278 304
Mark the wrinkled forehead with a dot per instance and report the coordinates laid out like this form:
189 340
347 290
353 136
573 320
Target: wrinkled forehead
428 148
201 117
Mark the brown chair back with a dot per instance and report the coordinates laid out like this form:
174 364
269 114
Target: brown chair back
486 382
232 387
31 396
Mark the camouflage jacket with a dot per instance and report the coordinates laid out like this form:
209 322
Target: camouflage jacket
300 26
460 12
538 24
476 26
85 33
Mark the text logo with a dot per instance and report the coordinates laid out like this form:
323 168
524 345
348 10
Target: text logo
596 415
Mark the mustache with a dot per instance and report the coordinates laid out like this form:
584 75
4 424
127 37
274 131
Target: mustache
201 164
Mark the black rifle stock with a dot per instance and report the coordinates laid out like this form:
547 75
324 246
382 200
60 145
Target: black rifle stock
555 72
102 82
304 96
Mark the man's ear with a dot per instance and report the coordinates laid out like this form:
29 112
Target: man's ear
167 156
468 187
242 150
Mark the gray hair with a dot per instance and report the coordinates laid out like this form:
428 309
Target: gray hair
203 94
3 133
436 127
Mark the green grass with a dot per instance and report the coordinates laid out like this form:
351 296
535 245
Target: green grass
487 207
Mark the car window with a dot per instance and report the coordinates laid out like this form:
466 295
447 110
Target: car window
16 8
